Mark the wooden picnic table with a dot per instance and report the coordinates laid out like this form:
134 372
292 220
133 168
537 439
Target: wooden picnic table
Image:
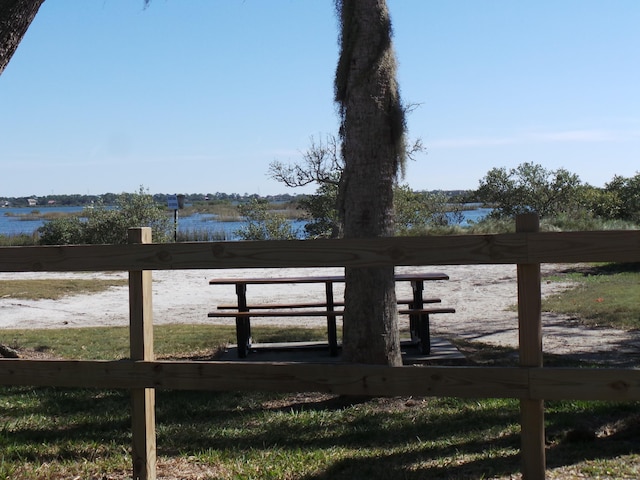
243 311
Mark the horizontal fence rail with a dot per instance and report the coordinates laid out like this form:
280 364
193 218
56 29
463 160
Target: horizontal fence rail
516 248
371 380
530 382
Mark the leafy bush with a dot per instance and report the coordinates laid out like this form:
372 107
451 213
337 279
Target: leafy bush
62 231
102 225
599 202
418 212
627 193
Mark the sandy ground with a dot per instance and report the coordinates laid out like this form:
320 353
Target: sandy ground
483 296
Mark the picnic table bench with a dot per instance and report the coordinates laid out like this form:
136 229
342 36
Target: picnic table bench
242 311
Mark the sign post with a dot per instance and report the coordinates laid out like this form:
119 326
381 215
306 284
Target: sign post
175 202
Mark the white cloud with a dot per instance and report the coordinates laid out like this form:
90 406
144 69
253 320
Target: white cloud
565 136
578 136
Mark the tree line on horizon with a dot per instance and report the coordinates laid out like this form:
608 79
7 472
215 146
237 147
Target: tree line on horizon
111 199
561 200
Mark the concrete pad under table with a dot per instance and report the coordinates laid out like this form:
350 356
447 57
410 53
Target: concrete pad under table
442 351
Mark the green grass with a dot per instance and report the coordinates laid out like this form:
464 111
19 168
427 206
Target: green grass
604 295
54 289
55 433
112 343
69 433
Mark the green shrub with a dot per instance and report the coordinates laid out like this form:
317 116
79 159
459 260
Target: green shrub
102 225
627 193
62 231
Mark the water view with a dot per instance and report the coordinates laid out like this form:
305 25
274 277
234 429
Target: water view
15 221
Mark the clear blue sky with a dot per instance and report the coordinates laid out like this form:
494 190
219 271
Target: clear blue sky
201 95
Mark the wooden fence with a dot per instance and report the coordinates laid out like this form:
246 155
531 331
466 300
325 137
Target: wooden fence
530 382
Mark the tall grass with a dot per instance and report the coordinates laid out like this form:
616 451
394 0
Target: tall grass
19 240
39 215
201 235
230 213
564 223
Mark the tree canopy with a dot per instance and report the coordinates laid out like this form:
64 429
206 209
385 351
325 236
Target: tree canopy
529 188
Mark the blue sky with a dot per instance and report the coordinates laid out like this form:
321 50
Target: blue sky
201 95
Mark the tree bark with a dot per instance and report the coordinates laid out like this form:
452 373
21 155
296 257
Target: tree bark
15 18
372 134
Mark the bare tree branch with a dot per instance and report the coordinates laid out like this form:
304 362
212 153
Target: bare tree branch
321 164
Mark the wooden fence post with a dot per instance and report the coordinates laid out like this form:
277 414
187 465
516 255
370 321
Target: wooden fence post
530 339
143 417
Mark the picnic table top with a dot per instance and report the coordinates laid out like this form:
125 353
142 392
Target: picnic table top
413 277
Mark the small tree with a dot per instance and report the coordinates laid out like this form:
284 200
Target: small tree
321 164
262 224
324 221
529 188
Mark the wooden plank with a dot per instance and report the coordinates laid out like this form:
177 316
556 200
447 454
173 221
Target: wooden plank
548 247
269 306
143 417
274 313
454 250
143 433
427 311
399 277
612 384
490 382
572 247
585 384
530 341
275 306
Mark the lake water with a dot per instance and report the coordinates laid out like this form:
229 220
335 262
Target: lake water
13 221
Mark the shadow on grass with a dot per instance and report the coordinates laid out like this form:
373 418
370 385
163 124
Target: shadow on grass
383 438
620 354
445 438
48 424
410 466
407 438
603 269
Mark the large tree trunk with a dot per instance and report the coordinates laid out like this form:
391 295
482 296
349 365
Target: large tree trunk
15 18
372 133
